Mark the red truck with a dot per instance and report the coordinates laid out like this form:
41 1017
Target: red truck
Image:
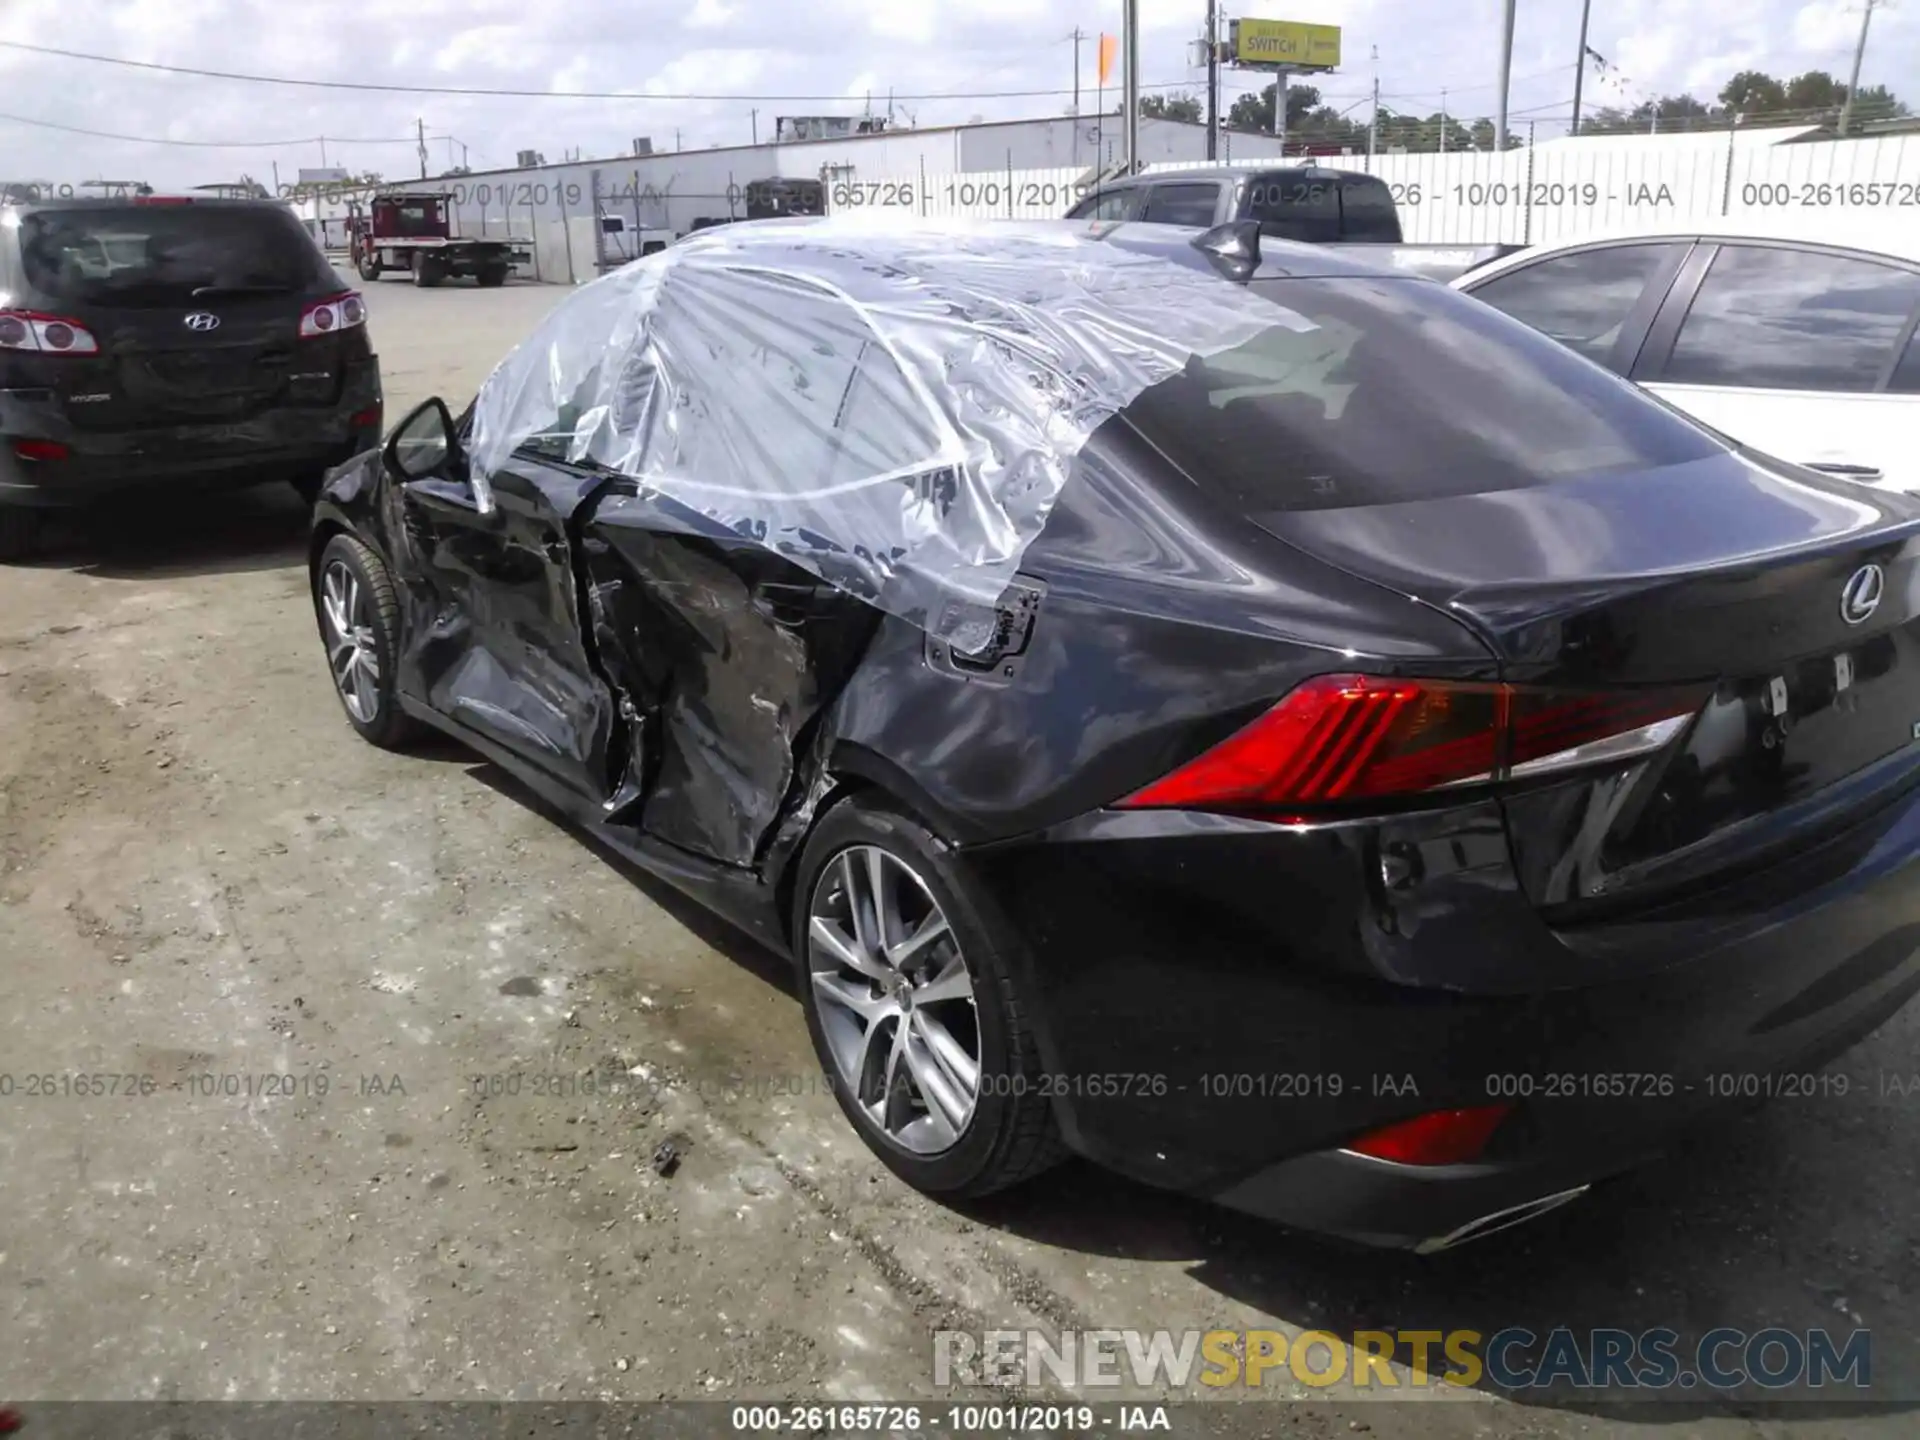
412 233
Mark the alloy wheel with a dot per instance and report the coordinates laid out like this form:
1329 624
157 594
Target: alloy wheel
895 999
352 648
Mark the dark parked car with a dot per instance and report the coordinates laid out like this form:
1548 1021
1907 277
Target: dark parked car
1309 203
1400 775
153 343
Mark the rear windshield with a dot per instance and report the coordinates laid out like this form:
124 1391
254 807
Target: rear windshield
1322 209
152 256
1369 392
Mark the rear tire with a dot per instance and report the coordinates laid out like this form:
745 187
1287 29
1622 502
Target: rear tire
949 955
358 612
427 273
491 276
19 532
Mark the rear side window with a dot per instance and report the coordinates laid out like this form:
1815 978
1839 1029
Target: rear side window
1369 392
1906 375
1182 204
157 256
1321 208
1781 318
1367 212
1581 299
1113 205
1295 205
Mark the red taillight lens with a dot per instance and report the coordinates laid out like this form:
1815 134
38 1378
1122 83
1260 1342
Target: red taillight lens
1340 738
342 312
45 334
39 450
1440 1137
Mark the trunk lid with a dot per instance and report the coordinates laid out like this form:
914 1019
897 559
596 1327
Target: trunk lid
1791 598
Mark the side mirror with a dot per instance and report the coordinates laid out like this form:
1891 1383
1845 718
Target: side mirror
424 443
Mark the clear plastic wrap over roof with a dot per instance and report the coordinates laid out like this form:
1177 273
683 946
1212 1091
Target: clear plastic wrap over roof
892 406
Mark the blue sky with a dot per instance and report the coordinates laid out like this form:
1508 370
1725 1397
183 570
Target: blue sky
841 49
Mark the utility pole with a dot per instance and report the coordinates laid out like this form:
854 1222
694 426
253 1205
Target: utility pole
1373 125
420 129
1213 79
676 138
1280 109
1580 70
1859 54
1130 90
1445 123
1078 36
756 125
1506 75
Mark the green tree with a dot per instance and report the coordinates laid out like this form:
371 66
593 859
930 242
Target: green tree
1876 102
1815 90
1255 112
1172 107
1753 92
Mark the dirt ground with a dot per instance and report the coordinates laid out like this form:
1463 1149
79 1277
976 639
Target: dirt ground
338 966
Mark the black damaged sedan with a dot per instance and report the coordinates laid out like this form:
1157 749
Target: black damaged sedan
1282 730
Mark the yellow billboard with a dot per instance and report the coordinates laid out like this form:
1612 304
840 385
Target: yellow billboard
1286 44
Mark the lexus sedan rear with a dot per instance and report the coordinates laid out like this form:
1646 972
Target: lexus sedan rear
1410 776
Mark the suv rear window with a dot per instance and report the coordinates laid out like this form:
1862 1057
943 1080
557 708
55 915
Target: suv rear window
156 256
1371 392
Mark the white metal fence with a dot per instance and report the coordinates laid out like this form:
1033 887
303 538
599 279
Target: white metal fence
1526 196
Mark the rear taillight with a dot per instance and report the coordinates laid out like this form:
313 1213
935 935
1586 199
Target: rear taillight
1440 1137
45 334
39 450
342 312
1339 738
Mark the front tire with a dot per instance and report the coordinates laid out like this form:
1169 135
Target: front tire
19 532
368 265
359 615
914 1007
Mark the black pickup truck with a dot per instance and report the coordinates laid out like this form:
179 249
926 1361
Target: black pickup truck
1309 203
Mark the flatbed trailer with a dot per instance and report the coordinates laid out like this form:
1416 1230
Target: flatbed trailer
410 234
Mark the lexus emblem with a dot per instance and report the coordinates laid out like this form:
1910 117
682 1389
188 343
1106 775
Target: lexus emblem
201 320
1861 597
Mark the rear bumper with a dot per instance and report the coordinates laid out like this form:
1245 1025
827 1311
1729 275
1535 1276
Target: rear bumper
1222 1006
100 465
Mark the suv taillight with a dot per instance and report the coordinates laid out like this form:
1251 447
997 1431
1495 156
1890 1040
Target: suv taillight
341 312
1340 738
45 334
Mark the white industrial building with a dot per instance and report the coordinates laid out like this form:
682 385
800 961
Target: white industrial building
569 209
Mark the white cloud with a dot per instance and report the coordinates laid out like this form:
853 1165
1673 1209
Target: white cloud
834 48
709 15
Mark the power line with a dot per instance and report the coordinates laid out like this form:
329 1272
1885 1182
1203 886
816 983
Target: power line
514 94
202 144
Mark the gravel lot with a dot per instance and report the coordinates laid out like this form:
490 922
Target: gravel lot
206 878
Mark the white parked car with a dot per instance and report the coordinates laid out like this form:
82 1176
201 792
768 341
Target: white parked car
1802 347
